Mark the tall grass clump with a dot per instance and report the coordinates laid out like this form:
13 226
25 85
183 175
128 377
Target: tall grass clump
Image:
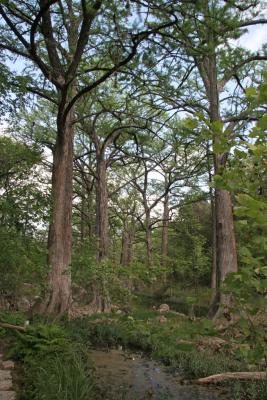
52 366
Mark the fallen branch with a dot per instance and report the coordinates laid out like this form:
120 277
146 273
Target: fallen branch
14 327
243 376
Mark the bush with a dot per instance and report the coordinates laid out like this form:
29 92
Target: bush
58 377
52 366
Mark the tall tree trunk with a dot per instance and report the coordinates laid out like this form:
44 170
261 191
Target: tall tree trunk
102 210
59 297
213 283
82 215
101 300
165 231
226 256
126 247
149 244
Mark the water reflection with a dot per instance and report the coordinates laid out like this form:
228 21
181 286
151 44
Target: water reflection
128 376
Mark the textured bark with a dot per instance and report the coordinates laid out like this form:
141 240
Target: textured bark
214 275
102 209
243 376
149 243
226 244
165 231
101 302
214 247
83 209
126 247
226 257
58 300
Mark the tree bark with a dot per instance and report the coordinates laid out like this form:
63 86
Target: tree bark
214 238
149 244
165 231
244 376
226 256
126 247
59 298
102 210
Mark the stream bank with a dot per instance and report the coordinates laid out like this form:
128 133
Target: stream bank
125 375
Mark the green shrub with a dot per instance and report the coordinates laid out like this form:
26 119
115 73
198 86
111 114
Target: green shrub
58 377
39 339
255 390
53 367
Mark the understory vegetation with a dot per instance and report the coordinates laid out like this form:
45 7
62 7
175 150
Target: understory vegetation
133 190
53 358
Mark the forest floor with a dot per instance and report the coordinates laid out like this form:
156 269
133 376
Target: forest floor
191 347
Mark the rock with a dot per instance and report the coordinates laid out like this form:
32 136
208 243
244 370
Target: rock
5 375
161 319
7 395
118 312
164 308
23 304
8 364
213 343
6 385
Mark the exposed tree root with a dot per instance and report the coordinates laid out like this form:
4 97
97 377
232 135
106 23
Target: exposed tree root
243 376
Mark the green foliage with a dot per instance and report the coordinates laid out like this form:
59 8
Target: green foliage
160 340
22 261
249 390
105 277
248 286
191 258
13 318
53 367
59 377
42 339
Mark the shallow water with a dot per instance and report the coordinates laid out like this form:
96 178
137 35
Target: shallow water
129 376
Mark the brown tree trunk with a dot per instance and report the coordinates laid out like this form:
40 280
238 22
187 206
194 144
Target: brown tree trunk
165 231
226 256
59 298
82 217
102 210
149 244
226 244
214 276
101 300
214 247
126 247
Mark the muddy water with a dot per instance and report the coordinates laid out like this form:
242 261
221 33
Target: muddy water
128 376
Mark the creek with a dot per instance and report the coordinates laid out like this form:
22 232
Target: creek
124 375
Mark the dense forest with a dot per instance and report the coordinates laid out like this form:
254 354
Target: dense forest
133 193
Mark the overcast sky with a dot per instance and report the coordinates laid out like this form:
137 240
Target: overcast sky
253 40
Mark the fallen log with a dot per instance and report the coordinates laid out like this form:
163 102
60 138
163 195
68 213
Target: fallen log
14 327
243 376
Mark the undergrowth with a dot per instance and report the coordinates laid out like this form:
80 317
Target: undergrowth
161 341
170 343
51 365
53 356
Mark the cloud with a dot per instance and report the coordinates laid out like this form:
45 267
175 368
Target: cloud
254 38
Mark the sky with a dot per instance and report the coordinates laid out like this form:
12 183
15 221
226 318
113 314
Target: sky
253 40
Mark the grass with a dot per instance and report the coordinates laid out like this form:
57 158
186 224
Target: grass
58 378
159 340
163 342
54 365
50 365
